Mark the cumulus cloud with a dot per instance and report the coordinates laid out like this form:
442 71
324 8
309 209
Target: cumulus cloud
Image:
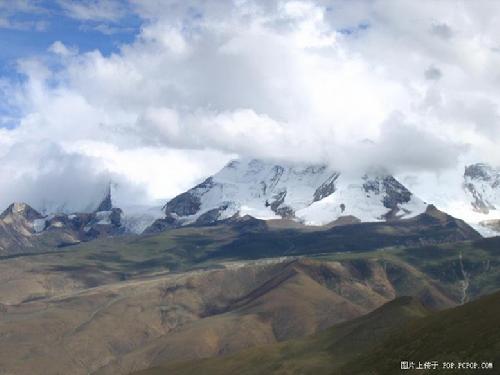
300 80
50 179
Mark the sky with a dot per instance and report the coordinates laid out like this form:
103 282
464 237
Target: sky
155 95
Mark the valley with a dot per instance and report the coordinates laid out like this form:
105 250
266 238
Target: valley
80 293
120 304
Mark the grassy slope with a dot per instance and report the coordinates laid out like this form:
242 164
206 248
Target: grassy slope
121 258
466 333
373 344
318 354
417 270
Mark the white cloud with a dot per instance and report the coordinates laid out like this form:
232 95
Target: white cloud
60 49
94 10
301 80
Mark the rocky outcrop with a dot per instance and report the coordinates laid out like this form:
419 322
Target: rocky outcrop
188 203
211 216
106 204
23 229
482 183
394 192
161 225
479 203
21 211
326 188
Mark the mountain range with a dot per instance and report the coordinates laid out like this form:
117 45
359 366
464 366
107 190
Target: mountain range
259 267
318 195
311 195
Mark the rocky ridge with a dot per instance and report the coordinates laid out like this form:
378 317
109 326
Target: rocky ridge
23 229
310 194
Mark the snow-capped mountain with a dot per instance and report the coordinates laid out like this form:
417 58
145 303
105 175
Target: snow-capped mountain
468 192
312 194
101 206
482 183
309 194
24 228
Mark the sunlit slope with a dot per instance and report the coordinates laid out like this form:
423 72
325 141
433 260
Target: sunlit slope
373 344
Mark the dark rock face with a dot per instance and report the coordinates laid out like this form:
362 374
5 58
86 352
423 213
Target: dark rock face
161 225
116 216
279 198
478 171
327 188
22 210
23 229
184 204
479 204
278 173
88 226
106 204
279 208
286 212
395 192
189 203
211 216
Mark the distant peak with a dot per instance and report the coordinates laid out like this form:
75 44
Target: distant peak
481 171
21 209
106 204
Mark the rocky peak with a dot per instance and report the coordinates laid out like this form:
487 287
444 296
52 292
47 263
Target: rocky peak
480 171
310 193
393 191
482 183
106 204
189 203
20 210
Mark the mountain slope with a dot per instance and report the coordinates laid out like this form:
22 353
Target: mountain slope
318 354
25 230
193 314
373 344
468 333
58 310
17 224
313 194
482 183
430 227
304 296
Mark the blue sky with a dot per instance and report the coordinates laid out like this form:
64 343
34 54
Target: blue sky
31 32
29 28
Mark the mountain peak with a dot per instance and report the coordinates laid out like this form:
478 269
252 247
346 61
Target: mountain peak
21 209
106 204
482 183
480 171
314 194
